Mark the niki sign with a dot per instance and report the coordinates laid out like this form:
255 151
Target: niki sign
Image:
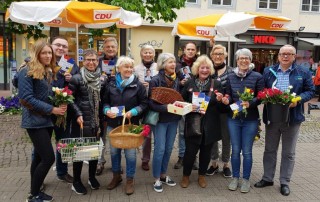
264 39
106 15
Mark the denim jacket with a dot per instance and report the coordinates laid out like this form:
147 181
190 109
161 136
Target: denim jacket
33 94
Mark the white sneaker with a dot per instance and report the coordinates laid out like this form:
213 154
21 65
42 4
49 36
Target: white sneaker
157 186
234 184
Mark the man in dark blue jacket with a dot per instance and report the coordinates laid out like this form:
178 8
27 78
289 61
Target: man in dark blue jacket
283 75
66 67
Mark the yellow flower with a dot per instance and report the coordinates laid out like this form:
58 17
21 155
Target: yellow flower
235 113
296 99
248 90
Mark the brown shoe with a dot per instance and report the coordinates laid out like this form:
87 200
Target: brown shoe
184 182
116 180
129 186
100 168
202 181
145 166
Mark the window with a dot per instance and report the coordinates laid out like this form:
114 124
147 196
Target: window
268 4
310 5
192 1
222 2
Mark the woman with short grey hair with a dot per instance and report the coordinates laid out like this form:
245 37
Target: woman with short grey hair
165 130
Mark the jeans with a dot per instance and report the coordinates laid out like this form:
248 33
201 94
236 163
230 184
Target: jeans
43 157
242 135
130 155
181 141
164 136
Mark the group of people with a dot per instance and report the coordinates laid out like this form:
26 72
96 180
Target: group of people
96 91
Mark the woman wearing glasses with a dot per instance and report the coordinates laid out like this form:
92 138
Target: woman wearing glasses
243 128
86 88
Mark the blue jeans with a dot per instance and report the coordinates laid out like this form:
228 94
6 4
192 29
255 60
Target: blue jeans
130 155
242 135
181 140
164 136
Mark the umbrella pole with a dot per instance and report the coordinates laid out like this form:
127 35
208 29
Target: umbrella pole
229 51
77 44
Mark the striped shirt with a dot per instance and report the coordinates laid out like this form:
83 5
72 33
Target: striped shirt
283 78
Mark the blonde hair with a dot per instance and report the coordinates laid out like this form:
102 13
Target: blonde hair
219 46
163 60
203 59
36 69
124 60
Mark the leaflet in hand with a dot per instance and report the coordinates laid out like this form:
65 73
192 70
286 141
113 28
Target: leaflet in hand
119 110
107 66
236 106
66 63
201 100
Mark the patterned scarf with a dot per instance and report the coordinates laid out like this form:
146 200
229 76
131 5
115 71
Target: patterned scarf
93 83
201 84
170 79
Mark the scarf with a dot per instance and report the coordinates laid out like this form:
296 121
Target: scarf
93 83
147 64
219 66
201 84
122 83
188 61
239 73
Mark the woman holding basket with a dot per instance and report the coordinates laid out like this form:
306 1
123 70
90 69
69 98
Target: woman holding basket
124 90
86 88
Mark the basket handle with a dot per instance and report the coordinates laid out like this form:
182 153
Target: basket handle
123 122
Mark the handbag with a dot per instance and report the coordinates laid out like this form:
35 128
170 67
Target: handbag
151 118
192 126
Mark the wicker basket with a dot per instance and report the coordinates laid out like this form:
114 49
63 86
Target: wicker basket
164 95
121 138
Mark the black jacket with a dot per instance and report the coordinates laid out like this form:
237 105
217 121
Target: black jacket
133 96
81 107
164 115
210 122
223 78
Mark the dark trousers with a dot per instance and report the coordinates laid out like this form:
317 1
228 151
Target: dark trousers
192 148
77 168
43 157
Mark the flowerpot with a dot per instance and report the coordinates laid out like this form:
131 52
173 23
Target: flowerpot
277 112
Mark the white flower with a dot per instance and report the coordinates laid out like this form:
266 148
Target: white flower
53 89
290 87
293 94
64 94
2 108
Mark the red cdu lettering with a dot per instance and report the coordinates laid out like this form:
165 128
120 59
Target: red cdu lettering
203 32
55 21
103 16
275 25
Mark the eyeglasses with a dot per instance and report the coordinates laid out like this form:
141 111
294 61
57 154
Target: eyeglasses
286 54
90 60
244 58
60 45
218 54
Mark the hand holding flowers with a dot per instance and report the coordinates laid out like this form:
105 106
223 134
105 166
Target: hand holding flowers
244 97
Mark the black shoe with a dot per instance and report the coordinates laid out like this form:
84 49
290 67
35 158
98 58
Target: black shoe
212 170
66 178
179 163
40 198
262 184
93 182
79 188
285 190
227 172
100 169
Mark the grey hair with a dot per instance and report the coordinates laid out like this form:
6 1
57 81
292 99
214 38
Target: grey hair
163 59
289 46
147 46
88 52
244 51
124 60
114 40
203 59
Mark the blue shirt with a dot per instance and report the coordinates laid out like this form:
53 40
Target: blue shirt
283 78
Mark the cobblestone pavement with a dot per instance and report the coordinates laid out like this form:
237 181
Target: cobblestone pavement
15 157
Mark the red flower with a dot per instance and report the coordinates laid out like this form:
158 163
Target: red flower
67 90
146 130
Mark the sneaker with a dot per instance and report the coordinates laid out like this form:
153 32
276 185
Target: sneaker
79 188
167 180
42 197
94 184
179 163
227 172
157 186
245 186
234 184
66 178
212 170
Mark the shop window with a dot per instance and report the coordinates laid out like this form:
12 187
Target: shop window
158 52
310 5
269 4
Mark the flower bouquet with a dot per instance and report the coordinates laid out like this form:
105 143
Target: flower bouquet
246 96
62 96
144 130
277 103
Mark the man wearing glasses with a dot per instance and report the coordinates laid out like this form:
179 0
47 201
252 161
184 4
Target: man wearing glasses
66 67
286 73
